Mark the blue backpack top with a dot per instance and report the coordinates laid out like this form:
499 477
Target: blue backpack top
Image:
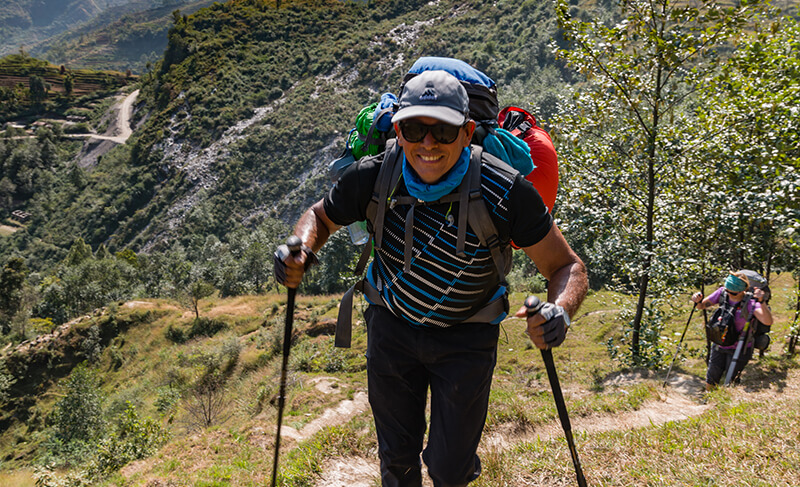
482 90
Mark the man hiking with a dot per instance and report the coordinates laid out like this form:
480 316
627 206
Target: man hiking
436 302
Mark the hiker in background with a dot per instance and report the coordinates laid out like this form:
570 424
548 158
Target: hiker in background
419 331
720 356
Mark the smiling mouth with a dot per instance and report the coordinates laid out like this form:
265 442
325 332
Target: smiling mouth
430 158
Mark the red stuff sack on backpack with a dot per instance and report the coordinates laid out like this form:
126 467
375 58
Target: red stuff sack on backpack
544 177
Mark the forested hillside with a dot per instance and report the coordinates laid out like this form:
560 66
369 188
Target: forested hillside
677 132
239 121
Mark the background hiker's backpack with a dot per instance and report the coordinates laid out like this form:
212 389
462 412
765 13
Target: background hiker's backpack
721 329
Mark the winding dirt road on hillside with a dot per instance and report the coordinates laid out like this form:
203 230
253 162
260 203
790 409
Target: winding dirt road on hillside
118 132
119 129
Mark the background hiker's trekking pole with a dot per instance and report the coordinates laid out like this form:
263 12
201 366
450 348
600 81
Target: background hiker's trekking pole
294 243
743 339
677 350
547 356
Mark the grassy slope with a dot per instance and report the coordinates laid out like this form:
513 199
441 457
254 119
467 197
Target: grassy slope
745 429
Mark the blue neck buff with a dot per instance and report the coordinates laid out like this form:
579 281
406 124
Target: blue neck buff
432 192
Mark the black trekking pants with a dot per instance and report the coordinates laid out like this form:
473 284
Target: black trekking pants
719 361
402 363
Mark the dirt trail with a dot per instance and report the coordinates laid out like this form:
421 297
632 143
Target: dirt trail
342 413
679 401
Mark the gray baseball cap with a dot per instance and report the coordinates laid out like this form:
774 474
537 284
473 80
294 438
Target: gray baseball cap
435 94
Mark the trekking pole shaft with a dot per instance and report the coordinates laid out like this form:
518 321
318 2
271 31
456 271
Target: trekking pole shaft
294 244
743 339
561 407
287 337
680 342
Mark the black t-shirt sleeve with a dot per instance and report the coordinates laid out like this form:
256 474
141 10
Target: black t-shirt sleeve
529 218
347 200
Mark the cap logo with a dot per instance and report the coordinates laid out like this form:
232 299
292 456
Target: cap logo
428 95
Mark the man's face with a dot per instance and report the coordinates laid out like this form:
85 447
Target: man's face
430 158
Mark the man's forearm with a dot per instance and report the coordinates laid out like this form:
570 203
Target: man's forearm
568 287
314 227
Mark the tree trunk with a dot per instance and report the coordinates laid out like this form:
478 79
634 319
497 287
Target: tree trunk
649 224
793 337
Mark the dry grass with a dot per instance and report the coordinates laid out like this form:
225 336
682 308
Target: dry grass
17 478
629 430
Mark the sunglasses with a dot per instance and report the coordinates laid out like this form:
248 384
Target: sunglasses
732 292
444 133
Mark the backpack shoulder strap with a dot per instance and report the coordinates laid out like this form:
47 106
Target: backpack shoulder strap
388 176
481 221
376 209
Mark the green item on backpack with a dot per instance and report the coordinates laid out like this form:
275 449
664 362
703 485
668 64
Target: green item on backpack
363 124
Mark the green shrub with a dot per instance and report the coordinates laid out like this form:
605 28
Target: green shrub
176 334
206 327
133 438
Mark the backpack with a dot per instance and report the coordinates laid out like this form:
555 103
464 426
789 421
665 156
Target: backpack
511 148
544 177
721 329
511 134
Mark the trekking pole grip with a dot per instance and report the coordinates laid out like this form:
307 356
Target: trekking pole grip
295 244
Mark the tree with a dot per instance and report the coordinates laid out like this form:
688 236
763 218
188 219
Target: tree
12 280
77 419
79 252
6 381
132 438
623 141
7 191
38 89
756 193
69 83
198 290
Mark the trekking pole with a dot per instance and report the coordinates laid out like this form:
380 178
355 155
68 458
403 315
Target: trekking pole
534 302
679 344
294 243
743 339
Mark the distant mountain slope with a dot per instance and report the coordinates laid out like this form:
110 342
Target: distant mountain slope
251 102
30 23
126 37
